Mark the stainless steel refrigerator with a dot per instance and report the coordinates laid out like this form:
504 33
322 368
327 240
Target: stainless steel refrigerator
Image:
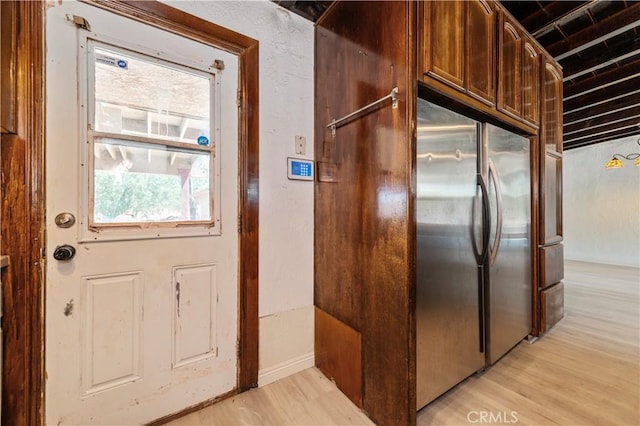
473 263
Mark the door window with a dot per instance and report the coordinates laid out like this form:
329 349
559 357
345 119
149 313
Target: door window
151 152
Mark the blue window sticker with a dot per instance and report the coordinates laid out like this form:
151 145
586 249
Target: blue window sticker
203 140
111 61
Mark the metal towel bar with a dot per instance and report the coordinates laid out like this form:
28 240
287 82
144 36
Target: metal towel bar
393 95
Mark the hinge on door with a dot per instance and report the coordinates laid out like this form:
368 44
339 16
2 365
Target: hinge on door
218 64
239 98
239 223
79 22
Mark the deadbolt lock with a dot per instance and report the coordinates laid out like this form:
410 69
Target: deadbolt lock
65 220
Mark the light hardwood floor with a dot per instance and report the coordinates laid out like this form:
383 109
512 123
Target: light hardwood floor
585 371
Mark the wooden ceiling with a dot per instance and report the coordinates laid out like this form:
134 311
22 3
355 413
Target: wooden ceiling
597 42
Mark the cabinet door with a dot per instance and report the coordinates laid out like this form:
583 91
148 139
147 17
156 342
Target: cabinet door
443 40
530 83
551 199
480 47
552 108
509 67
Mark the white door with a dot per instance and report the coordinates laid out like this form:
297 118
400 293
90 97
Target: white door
142 151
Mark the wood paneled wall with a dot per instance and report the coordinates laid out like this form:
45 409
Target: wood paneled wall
22 222
363 199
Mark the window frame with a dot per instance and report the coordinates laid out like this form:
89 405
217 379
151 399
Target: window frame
89 230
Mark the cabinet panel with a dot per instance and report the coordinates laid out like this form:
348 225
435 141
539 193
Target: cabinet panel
551 264
443 40
551 202
530 83
344 368
480 47
552 306
552 108
509 67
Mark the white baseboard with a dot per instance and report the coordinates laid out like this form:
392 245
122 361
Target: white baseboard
285 369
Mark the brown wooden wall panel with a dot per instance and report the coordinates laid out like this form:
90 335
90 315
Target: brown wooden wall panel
339 354
8 62
338 207
22 199
551 265
552 306
363 273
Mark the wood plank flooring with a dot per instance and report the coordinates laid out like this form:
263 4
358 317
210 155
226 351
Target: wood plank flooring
584 371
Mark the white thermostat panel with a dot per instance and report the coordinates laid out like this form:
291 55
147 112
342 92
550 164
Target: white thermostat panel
299 169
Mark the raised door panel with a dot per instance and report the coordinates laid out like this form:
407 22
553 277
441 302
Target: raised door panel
509 67
443 41
480 51
530 83
551 199
552 108
551 265
552 306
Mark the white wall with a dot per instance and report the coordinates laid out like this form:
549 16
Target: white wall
602 206
286 207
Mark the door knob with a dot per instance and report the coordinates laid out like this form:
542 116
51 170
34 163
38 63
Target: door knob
64 252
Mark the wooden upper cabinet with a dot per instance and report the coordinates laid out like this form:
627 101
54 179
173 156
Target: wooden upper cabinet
530 83
509 67
551 131
443 40
8 64
480 50
458 45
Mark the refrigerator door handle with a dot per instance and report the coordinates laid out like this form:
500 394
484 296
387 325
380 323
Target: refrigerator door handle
481 254
486 220
493 176
486 225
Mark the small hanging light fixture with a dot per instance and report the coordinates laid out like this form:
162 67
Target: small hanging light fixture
616 162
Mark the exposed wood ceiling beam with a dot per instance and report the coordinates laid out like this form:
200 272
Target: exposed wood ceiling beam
602 80
633 128
594 122
600 110
625 88
622 123
598 40
598 113
601 138
553 10
628 17
601 65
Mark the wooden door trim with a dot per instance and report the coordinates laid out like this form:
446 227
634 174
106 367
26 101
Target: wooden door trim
181 23
22 226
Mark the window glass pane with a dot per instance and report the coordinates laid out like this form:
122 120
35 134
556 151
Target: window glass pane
141 182
140 97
